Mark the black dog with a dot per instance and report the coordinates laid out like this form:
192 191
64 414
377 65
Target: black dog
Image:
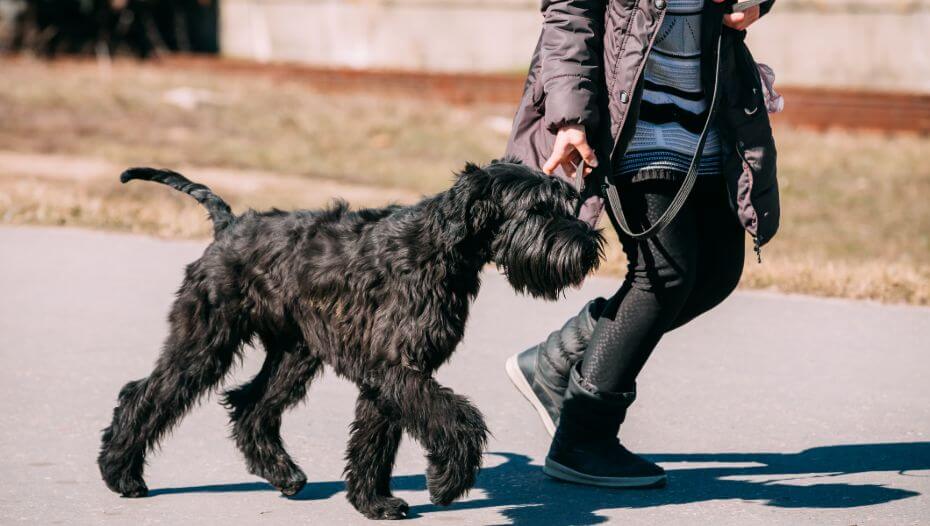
380 295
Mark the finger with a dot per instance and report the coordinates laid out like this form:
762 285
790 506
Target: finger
573 157
569 169
558 152
734 20
587 153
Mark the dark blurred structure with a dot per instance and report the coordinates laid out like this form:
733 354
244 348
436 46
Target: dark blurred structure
107 27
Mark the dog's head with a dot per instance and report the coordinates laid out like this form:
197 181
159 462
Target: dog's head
535 237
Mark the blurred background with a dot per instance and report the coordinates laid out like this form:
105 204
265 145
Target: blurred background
290 103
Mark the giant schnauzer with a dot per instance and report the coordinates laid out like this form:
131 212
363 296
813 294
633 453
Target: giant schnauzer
380 295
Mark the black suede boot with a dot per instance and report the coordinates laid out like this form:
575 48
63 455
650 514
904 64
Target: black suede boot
586 449
541 372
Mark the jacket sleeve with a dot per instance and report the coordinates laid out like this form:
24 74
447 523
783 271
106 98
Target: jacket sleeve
571 42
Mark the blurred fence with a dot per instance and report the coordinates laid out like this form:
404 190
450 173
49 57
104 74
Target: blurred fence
861 44
876 45
842 63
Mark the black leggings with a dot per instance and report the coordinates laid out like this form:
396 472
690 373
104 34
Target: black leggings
689 268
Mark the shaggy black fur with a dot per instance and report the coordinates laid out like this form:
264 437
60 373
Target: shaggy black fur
380 295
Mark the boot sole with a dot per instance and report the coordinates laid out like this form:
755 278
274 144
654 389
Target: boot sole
558 471
519 381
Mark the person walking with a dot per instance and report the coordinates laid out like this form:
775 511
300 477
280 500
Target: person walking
659 106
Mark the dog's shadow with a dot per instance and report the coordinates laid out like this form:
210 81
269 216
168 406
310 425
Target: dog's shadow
527 496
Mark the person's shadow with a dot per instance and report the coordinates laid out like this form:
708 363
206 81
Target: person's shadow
527 496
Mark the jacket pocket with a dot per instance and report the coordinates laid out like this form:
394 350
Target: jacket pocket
750 166
751 172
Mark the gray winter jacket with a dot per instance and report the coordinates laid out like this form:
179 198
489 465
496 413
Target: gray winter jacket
588 69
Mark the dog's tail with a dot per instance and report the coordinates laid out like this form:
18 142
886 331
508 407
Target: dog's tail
219 211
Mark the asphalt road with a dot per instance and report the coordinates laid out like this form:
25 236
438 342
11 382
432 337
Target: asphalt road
770 410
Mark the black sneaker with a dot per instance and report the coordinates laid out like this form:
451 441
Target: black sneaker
521 369
541 372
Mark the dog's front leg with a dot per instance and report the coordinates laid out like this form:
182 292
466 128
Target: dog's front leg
370 459
450 428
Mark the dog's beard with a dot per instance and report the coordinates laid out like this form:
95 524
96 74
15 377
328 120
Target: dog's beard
544 255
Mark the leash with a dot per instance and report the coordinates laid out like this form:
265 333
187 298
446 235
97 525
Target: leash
613 196
579 186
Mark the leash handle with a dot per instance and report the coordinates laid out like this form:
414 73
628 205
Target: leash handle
613 197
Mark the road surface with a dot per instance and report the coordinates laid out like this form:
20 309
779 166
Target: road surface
771 409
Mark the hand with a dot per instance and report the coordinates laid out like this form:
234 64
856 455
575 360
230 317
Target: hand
571 145
742 20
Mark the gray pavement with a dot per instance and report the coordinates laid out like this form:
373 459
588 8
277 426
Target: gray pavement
771 409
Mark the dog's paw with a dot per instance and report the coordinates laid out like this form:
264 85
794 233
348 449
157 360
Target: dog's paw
132 488
386 508
292 484
447 482
293 488
123 483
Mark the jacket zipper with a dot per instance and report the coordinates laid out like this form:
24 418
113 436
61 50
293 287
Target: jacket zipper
639 73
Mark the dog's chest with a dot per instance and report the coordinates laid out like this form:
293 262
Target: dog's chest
413 324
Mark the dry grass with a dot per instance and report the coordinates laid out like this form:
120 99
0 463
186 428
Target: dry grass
856 222
135 114
72 191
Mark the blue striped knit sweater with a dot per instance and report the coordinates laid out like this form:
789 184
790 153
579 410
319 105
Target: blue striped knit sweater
674 107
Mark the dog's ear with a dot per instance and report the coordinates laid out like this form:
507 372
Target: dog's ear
451 225
466 208
480 209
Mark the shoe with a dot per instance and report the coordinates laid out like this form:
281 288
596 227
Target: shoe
585 448
541 372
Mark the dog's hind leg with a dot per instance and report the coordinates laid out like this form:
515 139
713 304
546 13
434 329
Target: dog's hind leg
198 352
450 428
256 408
370 460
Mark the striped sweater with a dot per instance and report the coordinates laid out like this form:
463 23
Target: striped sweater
674 107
